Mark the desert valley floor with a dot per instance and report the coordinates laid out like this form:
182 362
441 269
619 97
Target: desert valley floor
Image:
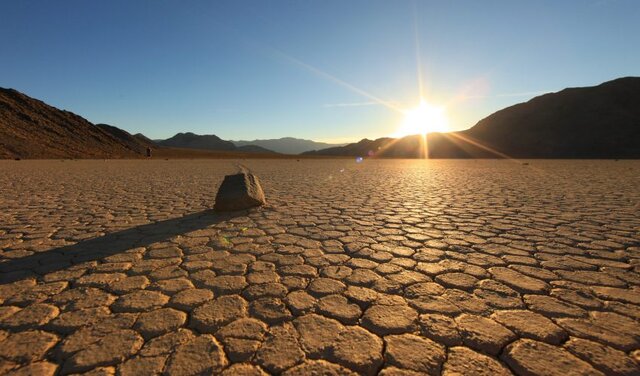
395 267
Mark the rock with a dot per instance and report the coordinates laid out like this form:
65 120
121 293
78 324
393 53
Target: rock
529 357
238 192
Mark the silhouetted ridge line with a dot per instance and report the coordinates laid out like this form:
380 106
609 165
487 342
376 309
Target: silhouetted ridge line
591 122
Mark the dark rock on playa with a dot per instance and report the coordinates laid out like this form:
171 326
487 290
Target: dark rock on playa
238 192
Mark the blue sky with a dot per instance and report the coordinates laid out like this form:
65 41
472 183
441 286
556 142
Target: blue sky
311 69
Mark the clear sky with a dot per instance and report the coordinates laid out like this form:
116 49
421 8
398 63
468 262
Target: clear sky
310 69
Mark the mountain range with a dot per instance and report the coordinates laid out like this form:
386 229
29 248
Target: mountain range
190 140
288 145
591 122
30 128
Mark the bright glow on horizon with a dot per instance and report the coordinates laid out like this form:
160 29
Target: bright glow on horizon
423 119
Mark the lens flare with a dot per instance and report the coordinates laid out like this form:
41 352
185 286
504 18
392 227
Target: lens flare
423 119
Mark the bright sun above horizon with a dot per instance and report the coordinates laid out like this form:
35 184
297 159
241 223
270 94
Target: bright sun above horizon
423 119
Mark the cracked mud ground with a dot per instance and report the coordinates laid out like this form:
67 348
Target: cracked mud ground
390 267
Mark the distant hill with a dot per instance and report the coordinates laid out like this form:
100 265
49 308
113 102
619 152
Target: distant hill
386 147
592 122
195 141
144 139
288 145
136 142
30 128
190 140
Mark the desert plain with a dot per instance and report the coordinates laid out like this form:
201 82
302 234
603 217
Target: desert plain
394 267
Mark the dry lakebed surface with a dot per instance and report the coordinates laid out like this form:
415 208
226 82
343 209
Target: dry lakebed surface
391 267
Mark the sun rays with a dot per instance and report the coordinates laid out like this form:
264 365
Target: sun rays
420 121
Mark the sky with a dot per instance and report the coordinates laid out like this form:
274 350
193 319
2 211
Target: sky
335 71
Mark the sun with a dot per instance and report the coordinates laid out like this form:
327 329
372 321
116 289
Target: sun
423 119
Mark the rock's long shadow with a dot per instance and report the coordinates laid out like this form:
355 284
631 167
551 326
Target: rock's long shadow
56 259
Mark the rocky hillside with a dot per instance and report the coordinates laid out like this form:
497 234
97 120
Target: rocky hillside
592 122
30 128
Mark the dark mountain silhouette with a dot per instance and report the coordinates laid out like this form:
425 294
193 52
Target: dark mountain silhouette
144 139
30 128
288 145
195 141
591 122
254 149
136 142
386 147
190 140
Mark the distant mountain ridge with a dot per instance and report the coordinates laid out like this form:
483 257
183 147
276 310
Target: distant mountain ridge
600 121
288 145
30 128
191 140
